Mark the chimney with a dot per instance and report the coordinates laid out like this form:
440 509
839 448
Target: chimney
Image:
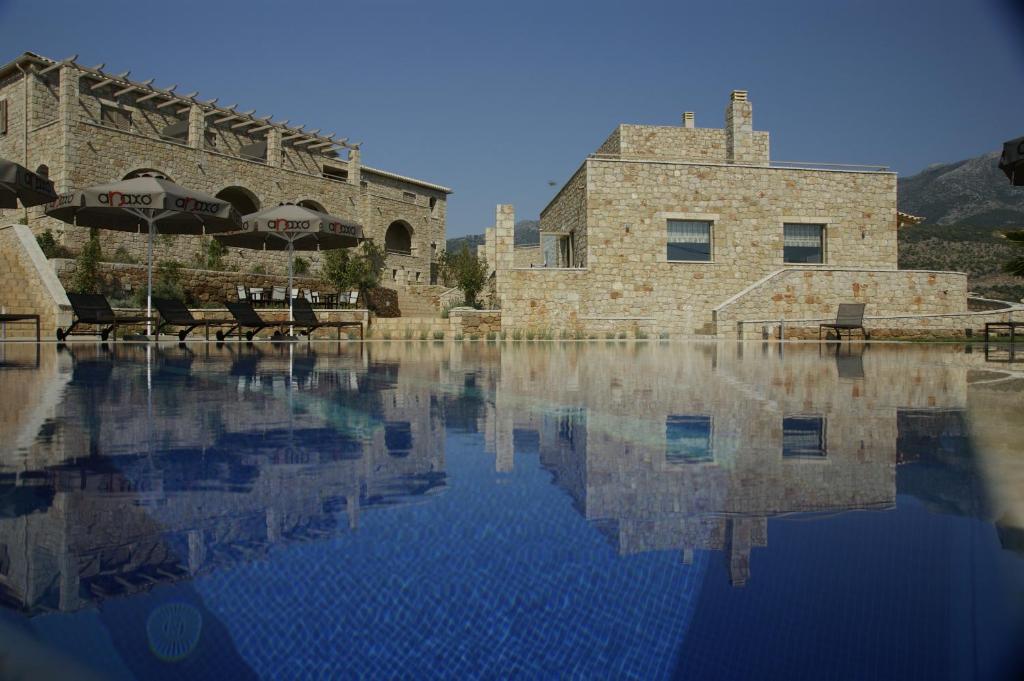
687 119
739 129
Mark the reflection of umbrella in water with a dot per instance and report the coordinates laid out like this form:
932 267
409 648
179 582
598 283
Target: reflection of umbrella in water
1012 161
149 201
289 227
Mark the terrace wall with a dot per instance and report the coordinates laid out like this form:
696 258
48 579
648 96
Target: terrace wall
29 286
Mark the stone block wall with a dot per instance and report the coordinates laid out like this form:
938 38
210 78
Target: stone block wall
800 293
29 286
527 256
474 323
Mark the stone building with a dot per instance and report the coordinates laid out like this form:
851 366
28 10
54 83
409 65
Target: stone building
691 231
83 126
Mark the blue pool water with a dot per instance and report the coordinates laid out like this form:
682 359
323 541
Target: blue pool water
510 510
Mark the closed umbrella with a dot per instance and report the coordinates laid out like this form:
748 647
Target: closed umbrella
150 202
290 227
18 183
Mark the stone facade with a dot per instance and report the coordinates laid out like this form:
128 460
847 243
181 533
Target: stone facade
29 286
615 209
88 128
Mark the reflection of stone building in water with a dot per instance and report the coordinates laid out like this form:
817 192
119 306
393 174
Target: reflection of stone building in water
723 439
227 469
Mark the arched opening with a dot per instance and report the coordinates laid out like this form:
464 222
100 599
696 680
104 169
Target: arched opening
243 200
398 238
312 205
140 172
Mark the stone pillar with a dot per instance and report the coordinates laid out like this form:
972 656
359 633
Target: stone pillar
274 148
739 129
67 112
196 127
196 551
355 165
688 121
504 236
489 250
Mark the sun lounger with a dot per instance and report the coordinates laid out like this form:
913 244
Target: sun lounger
245 318
849 318
93 309
175 313
306 321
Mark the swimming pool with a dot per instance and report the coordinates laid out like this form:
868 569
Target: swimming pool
610 509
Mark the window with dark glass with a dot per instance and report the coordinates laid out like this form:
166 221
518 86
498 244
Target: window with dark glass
336 174
689 241
803 437
688 439
398 437
803 243
116 117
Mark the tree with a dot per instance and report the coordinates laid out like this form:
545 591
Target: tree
87 266
348 269
1015 266
466 270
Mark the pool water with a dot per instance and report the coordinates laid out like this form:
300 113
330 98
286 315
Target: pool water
619 509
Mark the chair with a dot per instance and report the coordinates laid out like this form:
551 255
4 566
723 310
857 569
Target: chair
175 313
295 293
92 308
256 294
314 297
849 317
245 318
243 293
277 295
305 319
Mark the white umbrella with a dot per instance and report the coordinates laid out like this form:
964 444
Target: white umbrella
150 202
290 227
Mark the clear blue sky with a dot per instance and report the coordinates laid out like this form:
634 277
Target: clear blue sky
496 98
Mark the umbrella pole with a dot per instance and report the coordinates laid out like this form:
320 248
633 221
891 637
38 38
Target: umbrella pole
149 283
291 304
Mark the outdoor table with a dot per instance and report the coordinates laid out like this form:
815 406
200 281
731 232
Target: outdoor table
329 299
14 318
256 294
1009 326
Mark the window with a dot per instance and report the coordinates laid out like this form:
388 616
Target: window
398 238
398 437
803 243
177 132
115 117
210 137
689 241
433 205
336 174
409 196
688 439
255 151
803 437
559 250
3 116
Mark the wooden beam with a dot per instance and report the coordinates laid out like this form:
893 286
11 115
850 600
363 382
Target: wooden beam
169 92
217 112
57 65
130 88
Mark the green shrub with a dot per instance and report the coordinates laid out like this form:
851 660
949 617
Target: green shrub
466 270
258 268
458 336
423 335
349 270
529 334
167 281
439 335
407 333
622 335
517 334
300 266
87 266
123 256
609 336
491 336
663 335
49 246
639 334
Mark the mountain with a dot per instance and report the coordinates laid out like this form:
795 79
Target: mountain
527 234
971 191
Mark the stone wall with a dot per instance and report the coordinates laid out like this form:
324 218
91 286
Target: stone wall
469 323
568 212
805 293
204 287
528 256
29 286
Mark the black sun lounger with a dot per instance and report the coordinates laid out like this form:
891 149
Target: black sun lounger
849 318
175 313
92 308
306 321
245 318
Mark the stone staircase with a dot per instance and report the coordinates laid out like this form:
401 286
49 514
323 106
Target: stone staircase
419 300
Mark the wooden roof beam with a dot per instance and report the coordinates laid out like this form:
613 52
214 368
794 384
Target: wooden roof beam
132 87
176 100
169 92
56 65
217 112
